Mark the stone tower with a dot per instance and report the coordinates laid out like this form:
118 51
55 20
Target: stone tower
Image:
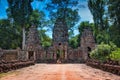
60 32
33 43
60 38
87 42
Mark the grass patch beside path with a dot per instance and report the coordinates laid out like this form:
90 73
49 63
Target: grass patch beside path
9 73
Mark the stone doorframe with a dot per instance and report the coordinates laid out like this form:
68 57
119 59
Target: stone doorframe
31 55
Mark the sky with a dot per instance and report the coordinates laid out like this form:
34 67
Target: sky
3 7
83 11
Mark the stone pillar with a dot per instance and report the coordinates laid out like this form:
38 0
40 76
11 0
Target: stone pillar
18 53
55 56
85 54
27 55
1 53
34 55
65 54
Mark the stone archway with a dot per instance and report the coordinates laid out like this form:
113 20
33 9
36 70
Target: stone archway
87 43
88 50
31 55
58 54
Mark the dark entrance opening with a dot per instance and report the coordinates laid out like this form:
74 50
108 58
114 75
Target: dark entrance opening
89 50
59 44
58 54
63 55
31 55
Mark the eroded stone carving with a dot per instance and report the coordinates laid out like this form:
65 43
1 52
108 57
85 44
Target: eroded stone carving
87 42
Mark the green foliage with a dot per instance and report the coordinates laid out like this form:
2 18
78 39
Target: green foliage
63 9
73 41
37 18
114 10
82 26
106 19
10 36
114 14
115 55
106 25
97 8
113 47
45 39
115 34
101 52
104 51
20 10
102 37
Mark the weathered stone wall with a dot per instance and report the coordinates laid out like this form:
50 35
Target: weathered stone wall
9 55
87 42
1 53
75 55
59 49
60 32
22 55
33 47
14 54
40 55
60 39
60 43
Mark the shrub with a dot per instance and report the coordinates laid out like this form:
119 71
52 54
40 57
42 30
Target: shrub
101 52
115 55
113 47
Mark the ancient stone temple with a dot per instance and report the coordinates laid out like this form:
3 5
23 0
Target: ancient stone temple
60 32
58 51
33 46
60 48
60 39
87 42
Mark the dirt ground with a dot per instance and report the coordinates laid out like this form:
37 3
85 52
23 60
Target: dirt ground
60 72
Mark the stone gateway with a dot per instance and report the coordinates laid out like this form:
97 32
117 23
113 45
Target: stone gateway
59 51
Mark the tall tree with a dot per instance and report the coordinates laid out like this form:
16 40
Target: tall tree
20 11
37 18
64 9
114 12
97 8
10 36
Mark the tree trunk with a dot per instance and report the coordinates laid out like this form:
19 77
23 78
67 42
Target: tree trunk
23 41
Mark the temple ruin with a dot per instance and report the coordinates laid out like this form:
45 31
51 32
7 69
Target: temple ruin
34 50
60 40
59 48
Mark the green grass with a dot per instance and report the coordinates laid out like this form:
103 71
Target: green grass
8 73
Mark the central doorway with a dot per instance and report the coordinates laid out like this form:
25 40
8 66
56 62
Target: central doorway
31 55
58 54
89 50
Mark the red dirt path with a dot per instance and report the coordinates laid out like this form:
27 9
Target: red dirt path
60 72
